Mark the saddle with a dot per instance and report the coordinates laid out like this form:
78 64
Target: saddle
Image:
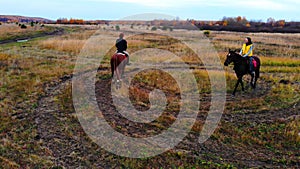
254 62
119 53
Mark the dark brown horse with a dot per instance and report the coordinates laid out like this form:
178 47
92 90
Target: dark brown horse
241 68
117 63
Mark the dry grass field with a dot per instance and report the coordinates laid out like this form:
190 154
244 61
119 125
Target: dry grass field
39 128
13 32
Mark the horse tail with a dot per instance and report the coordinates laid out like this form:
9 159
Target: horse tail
257 72
113 64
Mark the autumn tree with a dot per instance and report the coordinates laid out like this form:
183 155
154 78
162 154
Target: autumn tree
281 23
271 21
62 21
234 21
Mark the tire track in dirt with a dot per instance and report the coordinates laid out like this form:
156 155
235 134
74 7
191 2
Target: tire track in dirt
47 116
67 145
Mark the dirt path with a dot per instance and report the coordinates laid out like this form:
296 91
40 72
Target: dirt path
70 147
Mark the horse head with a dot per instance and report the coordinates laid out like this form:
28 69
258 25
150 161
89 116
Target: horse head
231 56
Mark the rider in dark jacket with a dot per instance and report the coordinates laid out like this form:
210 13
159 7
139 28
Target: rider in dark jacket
121 45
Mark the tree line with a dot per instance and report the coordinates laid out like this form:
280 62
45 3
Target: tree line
241 24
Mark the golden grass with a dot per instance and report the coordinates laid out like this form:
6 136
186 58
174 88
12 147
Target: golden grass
13 31
8 163
13 28
265 44
204 83
279 61
155 57
22 79
293 129
70 46
4 57
286 39
136 43
157 79
279 69
71 43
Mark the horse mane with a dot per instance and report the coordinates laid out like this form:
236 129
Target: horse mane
236 53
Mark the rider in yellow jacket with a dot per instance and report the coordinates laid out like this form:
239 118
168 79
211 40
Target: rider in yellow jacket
247 51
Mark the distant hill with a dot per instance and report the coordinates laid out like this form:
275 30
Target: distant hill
15 18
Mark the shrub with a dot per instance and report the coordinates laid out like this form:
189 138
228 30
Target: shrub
164 28
153 28
117 27
206 33
23 26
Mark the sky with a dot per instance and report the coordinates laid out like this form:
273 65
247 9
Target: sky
184 9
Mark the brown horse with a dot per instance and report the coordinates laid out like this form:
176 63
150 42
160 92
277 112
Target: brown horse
117 63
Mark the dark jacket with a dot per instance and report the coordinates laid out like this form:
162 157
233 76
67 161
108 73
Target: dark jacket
121 45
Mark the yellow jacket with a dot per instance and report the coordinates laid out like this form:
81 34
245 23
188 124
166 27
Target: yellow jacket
247 50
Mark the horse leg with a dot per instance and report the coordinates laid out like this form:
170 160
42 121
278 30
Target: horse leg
124 63
121 70
118 73
236 85
252 81
256 77
242 83
112 68
255 80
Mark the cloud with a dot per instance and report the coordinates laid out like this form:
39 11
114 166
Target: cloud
265 5
270 5
149 16
150 3
169 3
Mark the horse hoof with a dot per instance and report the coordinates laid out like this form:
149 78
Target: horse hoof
118 84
